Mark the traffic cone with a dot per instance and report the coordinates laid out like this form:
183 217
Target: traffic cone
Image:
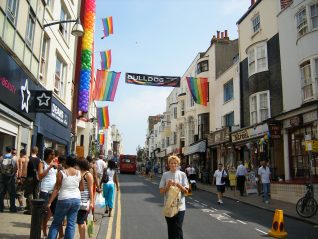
278 226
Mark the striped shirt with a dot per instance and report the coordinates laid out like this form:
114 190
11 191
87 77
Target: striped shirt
85 192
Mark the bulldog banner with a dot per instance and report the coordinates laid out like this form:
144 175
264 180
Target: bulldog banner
151 80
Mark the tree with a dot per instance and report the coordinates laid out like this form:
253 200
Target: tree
140 153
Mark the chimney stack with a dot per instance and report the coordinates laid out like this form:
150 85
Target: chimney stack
218 34
222 35
285 3
225 32
252 2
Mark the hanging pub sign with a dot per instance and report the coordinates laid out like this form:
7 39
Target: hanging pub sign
275 130
151 80
42 101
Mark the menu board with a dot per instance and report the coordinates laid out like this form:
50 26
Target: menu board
250 183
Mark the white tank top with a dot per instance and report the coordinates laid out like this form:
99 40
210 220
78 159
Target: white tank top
110 174
48 182
70 186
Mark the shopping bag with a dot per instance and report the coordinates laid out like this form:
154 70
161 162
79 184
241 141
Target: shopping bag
99 201
171 207
90 225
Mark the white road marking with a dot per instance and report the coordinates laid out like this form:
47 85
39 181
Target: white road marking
226 214
260 231
241 222
196 200
204 204
213 208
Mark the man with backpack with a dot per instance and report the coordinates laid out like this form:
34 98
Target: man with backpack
8 171
31 189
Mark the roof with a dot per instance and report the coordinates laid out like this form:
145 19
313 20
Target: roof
248 11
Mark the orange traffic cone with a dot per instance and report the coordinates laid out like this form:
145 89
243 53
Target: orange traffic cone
278 226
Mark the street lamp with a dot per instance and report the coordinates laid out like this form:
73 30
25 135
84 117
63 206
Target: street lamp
77 29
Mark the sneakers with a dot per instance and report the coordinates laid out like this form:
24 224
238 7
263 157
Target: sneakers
220 202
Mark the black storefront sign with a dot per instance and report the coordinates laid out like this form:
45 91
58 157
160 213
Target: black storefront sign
60 113
275 131
16 87
42 101
152 80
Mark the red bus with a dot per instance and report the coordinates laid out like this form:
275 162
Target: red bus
127 163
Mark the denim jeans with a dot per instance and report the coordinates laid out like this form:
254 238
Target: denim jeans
65 208
266 191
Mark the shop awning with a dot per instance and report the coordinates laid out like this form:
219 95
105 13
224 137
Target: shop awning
199 147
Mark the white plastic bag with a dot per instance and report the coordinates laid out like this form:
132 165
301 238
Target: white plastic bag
99 201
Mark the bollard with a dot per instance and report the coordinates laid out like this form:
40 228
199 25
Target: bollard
36 218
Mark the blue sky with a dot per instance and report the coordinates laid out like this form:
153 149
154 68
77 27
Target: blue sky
156 37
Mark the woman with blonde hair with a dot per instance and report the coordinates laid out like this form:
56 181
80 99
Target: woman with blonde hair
174 184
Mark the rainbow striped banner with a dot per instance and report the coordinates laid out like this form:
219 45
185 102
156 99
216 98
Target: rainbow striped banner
106 85
106 59
102 117
199 89
108 26
101 139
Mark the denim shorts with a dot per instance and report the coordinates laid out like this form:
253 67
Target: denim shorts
82 216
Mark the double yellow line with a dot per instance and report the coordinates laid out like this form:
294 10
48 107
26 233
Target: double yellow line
118 221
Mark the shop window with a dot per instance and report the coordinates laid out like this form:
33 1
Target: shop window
257 59
203 125
228 91
12 6
259 107
202 66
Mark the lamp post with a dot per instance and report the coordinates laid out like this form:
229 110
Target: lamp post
77 29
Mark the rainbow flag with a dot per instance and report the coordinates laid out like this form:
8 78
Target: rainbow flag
106 59
106 85
101 139
199 89
108 26
102 117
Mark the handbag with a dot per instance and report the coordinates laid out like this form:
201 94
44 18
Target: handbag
171 207
84 205
224 179
105 177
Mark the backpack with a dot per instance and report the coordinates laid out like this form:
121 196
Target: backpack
105 177
7 166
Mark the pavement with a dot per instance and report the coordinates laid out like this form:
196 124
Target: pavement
17 225
289 209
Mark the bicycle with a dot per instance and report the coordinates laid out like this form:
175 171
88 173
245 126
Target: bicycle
307 205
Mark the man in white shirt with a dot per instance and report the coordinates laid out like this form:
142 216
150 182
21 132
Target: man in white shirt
220 186
240 177
264 173
100 166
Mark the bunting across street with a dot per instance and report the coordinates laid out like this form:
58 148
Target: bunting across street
199 89
106 85
102 117
152 80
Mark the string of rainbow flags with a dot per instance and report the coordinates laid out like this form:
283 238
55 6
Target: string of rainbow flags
105 87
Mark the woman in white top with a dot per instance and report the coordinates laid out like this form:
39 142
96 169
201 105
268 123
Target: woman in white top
109 187
47 176
68 185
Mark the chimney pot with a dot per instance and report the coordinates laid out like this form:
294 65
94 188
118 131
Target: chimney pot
222 35
252 2
225 32
218 34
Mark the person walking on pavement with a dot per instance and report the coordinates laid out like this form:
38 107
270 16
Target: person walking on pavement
240 177
177 178
264 173
220 186
69 182
47 176
100 166
31 189
109 187
8 173
87 199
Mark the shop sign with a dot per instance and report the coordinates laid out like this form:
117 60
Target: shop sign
59 114
275 131
43 101
249 133
310 117
218 136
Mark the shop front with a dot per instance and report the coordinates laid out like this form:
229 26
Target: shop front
254 144
196 155
53 130
16 117
220 149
